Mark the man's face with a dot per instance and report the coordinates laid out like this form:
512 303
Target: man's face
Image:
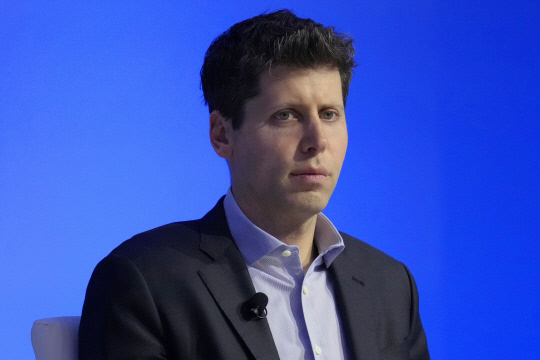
287 155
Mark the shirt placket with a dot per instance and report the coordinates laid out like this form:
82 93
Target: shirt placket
313 326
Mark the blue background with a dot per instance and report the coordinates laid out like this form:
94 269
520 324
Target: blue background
103 134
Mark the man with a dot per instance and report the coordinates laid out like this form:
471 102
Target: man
276 87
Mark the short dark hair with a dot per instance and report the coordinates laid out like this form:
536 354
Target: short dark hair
235 60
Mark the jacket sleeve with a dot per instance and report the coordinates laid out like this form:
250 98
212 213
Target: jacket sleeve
417 338
119 317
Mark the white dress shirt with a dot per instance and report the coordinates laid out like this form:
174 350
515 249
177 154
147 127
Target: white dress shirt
301 309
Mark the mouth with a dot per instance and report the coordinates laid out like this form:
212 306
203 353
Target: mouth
310 175
310 172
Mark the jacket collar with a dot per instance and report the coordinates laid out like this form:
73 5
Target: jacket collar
228 280
356 310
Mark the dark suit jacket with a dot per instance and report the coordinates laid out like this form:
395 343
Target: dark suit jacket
175 292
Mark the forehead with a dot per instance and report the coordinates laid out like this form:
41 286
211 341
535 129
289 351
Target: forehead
280 73
284 83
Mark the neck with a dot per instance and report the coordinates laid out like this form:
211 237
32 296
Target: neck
292 230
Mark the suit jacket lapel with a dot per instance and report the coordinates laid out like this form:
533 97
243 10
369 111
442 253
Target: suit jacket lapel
228 280
354 303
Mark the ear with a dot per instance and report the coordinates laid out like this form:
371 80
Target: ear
220 134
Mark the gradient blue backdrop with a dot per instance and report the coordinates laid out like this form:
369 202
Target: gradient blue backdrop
103 134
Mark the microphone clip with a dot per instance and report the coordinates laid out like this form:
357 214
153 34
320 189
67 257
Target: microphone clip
255 308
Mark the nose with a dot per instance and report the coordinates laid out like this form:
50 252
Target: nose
314 139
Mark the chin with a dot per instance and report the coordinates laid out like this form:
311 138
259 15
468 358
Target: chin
309 203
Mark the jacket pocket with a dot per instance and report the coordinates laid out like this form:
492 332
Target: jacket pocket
399 351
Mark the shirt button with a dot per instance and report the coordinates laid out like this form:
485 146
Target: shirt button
286 253
317 350
304 289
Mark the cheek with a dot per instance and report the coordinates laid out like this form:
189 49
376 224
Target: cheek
339 147
276 149
258 161
344 141
344 149
266 155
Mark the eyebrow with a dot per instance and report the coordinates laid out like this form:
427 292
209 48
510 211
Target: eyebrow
339 107
298 105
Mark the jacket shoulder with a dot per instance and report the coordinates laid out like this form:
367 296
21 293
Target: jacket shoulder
368 255
179 238
164 234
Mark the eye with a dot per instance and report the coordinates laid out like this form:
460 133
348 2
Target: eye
284 115
329 115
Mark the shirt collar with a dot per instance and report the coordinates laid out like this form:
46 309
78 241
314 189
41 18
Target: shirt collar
254 243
